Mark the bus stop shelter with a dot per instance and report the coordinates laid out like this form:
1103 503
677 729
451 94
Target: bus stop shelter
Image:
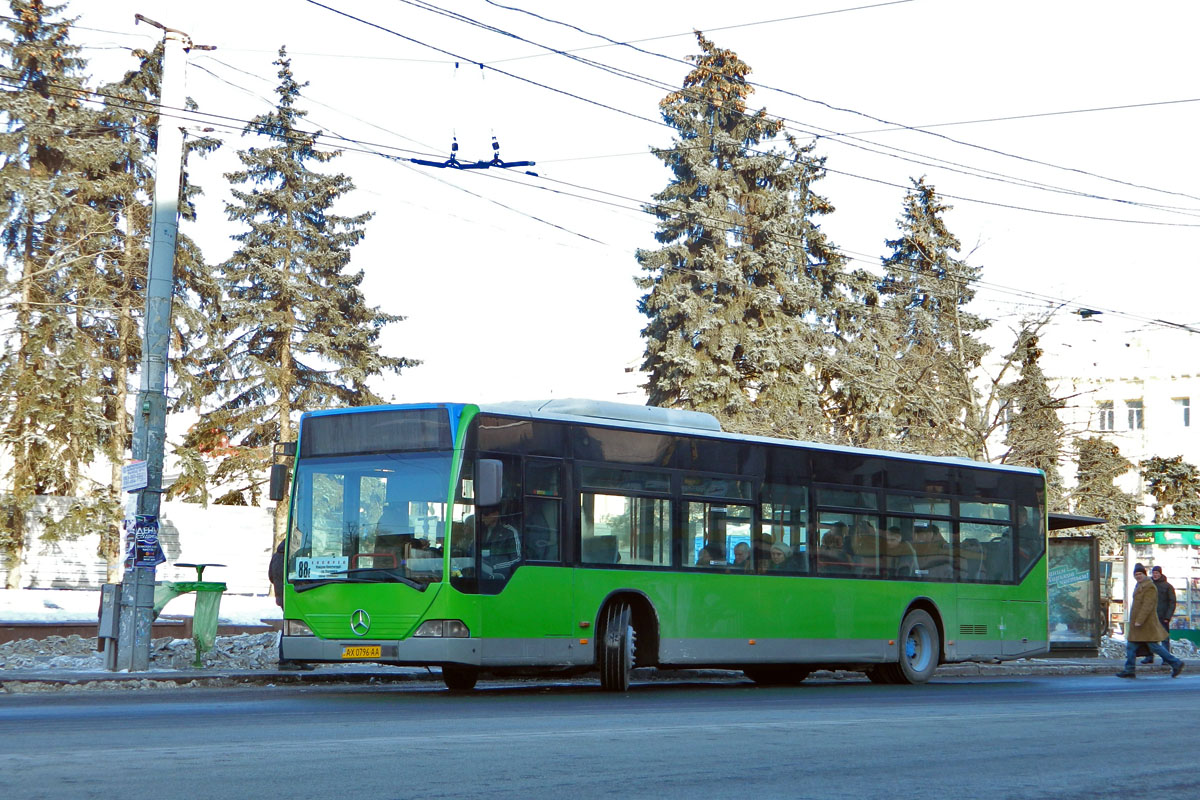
1175 548
1073 587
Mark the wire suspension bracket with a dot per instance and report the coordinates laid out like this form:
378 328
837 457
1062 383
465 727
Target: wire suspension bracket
453 163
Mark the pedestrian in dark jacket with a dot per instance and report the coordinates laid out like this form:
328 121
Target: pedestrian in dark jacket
1166 606
1142 625
275 574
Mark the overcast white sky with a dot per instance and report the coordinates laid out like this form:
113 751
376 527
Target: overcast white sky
501 305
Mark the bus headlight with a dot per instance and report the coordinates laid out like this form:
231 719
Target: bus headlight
443 628
294 627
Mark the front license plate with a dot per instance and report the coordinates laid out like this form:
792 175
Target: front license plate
361 651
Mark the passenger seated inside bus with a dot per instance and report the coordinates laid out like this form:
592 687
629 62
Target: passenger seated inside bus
741 558
970 560
933 553
864 546
781 558
901 558
833 558
710 556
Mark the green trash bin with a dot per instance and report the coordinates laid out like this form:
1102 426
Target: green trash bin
208 606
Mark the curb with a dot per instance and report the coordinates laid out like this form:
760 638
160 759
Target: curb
247 676
218 677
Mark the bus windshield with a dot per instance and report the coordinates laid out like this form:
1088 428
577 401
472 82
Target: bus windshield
369 519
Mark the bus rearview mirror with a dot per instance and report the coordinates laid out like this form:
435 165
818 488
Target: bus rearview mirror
489 482
279 482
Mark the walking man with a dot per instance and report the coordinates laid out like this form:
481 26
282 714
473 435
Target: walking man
1143 626
1166 605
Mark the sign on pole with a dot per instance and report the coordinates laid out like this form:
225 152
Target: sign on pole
134 476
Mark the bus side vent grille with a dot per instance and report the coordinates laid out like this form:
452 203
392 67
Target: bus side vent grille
972 630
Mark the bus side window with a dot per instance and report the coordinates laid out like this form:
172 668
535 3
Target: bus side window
541 529
543 510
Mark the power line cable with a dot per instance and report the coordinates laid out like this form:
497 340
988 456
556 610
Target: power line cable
457 57
205 117
840 138
830 106
1037 115
650 208
712 29
412 169
318 102
145 105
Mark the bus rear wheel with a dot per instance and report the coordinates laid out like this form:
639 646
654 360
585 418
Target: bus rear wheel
616 648
460 679
920 649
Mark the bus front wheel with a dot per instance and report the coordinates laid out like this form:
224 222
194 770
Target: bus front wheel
616 648
460 679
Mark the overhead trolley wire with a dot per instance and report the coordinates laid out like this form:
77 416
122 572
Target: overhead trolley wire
402 162
642 207
963 198
840 138
830 106
1036 115
457 57
851 255
692 33
207 117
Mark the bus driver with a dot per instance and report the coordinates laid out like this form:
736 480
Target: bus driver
499 543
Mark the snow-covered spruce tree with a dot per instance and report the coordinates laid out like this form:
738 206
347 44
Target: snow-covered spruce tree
1096 494
298 333
1035 432
1175 486
737 294
926 290
50 373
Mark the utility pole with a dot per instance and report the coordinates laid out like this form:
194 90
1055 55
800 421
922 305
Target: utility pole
150 416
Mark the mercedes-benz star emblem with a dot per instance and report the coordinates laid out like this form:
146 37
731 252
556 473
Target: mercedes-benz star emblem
360 622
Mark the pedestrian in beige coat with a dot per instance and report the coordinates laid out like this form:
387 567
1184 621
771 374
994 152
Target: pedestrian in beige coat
1142 626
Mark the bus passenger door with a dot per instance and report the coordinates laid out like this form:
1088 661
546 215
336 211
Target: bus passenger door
526 605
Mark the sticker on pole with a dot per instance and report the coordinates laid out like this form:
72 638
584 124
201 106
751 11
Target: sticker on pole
134 476
144 549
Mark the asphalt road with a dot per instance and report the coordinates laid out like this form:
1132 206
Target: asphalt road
1027 737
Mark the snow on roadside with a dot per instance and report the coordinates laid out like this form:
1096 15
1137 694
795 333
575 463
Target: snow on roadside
77 653
83 605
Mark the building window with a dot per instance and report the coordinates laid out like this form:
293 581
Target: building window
1137 415
1106 415
1184 404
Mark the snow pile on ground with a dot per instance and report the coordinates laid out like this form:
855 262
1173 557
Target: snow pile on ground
55 652
1115 648
83 605
77 653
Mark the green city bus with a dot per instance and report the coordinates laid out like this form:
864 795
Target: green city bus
565 536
